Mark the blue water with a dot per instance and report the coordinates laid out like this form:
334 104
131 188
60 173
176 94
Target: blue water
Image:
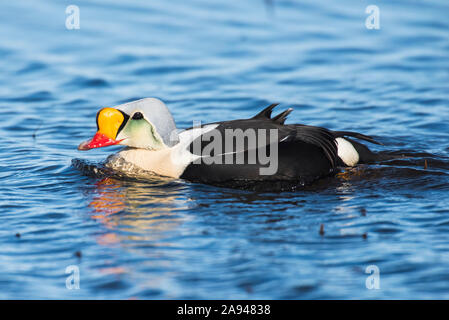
211 61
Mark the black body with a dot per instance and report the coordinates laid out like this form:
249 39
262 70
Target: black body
305 154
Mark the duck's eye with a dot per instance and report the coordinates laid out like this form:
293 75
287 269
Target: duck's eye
137 116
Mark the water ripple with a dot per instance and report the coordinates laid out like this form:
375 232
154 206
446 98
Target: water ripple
137 235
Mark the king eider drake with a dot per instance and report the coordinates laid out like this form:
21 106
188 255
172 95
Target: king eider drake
234 153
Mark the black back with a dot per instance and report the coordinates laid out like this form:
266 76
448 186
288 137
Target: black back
305 153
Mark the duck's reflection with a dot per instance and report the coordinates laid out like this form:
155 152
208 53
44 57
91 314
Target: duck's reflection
150 211
137 211
108 200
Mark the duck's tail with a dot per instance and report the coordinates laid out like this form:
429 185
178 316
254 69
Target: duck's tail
352 152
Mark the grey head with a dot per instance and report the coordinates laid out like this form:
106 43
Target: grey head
150 125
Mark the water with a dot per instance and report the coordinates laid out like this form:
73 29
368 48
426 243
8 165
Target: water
214 61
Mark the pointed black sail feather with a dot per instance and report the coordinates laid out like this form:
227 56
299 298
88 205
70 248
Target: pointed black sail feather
280 118
266 113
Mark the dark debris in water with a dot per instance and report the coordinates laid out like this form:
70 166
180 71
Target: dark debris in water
36 130
322 230
363 212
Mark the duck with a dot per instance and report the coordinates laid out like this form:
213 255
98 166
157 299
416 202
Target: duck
238 153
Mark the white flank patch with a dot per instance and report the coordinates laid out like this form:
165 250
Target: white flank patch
181 156
347 152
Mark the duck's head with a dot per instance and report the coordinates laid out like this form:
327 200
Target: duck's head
145 124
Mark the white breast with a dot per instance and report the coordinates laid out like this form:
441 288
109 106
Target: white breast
169 162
